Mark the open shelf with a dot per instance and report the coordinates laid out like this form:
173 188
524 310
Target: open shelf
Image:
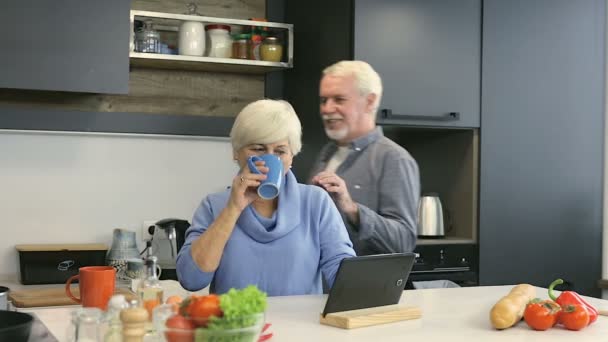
179 62
170 22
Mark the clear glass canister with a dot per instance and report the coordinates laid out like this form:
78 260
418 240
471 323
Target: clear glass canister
271 50
86 325
219 42
147 39
240 46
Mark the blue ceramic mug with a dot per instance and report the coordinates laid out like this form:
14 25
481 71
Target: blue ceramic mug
271 186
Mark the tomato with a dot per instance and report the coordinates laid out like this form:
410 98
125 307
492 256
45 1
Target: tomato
181 329
183 306
175 301
574 317
201 308
541 315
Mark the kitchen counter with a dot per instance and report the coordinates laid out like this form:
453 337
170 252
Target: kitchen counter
455 314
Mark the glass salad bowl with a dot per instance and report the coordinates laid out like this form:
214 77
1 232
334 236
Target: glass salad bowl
172 327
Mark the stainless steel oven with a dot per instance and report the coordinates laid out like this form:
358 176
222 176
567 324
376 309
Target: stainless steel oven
455 262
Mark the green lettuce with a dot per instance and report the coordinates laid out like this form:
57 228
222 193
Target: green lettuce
242 309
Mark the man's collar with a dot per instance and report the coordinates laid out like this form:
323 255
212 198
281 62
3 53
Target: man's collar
358 144
362 142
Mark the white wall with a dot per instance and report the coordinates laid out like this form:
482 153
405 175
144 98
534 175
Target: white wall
76 188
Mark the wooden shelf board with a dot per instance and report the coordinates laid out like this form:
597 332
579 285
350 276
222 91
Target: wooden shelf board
179 62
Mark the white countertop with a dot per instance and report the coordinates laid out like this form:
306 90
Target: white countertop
455 314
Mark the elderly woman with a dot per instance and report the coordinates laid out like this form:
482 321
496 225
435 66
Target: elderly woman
283 245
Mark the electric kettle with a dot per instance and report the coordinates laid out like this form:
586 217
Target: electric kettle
430 216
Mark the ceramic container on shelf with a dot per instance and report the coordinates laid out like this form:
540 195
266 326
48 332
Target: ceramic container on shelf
191 35
124 248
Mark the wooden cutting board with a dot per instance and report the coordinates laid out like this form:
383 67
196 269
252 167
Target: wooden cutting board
371 316
53 297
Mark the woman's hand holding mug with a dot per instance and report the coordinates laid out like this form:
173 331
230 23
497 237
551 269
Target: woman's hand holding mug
244 186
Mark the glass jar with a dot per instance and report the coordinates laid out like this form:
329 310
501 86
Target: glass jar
147 39
271 50
85 325
219 41
240 46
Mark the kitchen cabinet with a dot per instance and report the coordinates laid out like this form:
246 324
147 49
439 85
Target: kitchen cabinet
65 45
428 53
169 23
542 134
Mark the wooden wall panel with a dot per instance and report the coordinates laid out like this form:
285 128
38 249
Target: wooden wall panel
237 9
156 91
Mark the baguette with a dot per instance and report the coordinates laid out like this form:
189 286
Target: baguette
510 309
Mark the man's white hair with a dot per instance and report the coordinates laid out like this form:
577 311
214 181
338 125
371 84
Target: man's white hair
367 79
266 122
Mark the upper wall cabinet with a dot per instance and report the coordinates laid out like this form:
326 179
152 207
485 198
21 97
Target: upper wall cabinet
428 54
426 51
65 45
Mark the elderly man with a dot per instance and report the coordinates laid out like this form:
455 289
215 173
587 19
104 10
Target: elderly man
374 182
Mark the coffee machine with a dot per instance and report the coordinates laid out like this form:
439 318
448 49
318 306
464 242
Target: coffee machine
168 237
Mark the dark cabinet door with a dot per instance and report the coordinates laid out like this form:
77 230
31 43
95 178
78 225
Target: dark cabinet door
542 133
66 45
428 54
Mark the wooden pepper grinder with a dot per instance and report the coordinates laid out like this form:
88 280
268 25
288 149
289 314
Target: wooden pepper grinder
133 322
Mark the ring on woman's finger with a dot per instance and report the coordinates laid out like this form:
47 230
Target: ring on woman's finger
242 180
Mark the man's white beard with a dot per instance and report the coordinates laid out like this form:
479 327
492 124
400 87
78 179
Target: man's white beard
336 134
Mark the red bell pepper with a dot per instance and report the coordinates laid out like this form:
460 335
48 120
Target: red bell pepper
572 298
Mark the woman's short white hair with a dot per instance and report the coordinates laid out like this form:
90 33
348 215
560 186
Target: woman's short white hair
266 122
367 79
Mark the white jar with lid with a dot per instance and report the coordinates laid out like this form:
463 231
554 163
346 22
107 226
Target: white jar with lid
191 38
219 41
191 35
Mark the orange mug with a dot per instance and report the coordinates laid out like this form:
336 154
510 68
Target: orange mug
96 286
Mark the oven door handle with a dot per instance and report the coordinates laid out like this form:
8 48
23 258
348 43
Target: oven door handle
444 270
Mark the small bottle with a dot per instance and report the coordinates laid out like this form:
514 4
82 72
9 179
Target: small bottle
150 291
258 33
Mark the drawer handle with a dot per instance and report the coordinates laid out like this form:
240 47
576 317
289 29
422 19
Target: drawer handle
388 114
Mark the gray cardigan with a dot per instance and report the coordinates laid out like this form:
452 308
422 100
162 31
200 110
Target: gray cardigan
383 178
